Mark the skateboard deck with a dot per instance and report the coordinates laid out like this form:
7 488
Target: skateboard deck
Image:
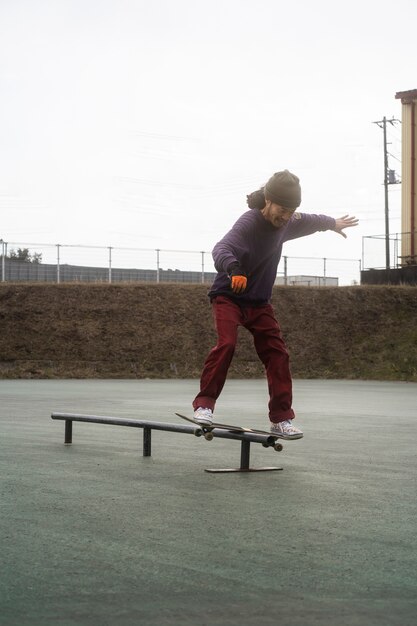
207 428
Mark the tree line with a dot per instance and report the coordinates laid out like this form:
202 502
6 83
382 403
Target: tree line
23 254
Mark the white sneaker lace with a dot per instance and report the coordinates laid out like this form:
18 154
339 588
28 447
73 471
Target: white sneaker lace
286 427
203 414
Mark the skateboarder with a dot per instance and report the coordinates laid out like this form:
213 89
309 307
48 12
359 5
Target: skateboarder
246 260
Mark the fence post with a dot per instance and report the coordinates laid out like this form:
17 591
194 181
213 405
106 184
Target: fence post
110 249
3 263
285 271
58 267
396 257
324 271
157 264
202 266
363 252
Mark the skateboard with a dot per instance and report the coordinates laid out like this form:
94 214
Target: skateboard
208 435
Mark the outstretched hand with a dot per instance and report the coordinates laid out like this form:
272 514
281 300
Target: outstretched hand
345 222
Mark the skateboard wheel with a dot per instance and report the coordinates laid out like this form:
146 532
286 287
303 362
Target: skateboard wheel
208 436
278 447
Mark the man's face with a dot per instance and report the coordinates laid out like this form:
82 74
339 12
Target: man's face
277 215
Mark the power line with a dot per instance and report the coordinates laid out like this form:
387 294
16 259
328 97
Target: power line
394 157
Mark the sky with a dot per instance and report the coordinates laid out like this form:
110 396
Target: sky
139 123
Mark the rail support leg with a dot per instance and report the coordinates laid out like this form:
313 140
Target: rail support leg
244 463
244 455
147 441
68 431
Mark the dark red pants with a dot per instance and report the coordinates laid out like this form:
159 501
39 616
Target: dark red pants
269 345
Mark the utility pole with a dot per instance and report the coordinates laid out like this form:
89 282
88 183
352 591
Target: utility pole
383 124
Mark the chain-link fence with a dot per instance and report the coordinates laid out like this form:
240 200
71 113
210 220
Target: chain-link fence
79 263
395 250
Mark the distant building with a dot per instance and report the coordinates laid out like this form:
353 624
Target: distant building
409 176
15 270
308 281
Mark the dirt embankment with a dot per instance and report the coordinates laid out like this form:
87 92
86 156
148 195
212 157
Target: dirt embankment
165 331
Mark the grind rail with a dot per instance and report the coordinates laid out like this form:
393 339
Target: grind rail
246 438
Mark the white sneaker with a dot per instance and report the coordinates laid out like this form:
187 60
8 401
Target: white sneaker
286 429
204 416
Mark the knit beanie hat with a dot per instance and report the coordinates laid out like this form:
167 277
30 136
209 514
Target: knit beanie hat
283 188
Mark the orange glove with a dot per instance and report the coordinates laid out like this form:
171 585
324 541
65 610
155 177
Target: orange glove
239 283
238 280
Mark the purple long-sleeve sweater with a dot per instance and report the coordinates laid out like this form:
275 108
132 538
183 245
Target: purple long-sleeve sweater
256 245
